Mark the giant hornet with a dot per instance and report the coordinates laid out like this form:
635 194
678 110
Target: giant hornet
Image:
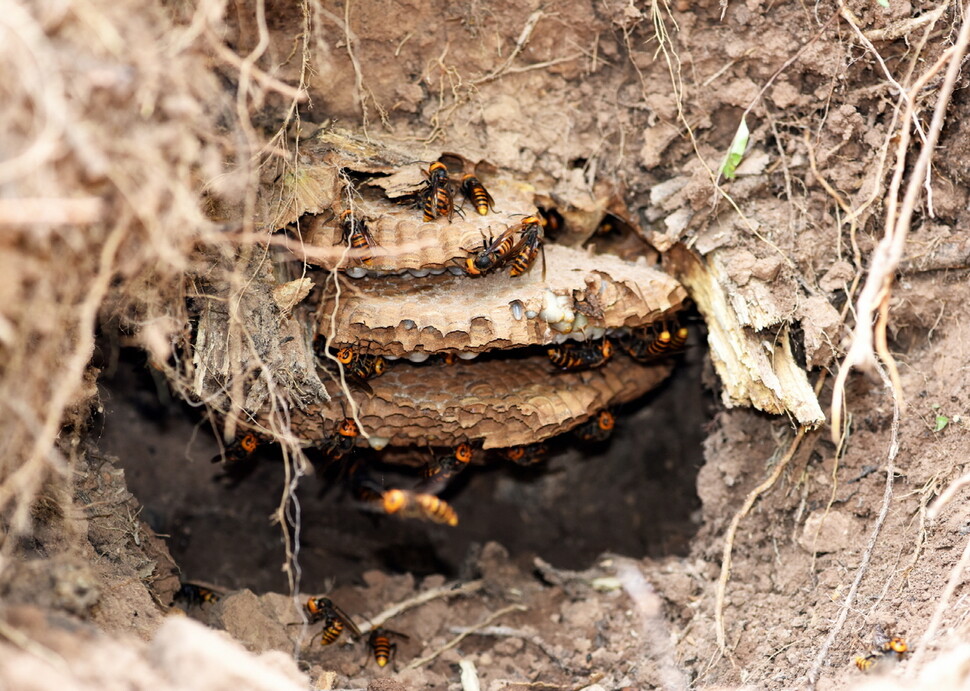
323 609
443 468
438 200
525 455
380 643
343 441
885 648
239 450
361 366
525 256
416 505
194 594
355 230
644 348
496 253
572 357
476 193
597 428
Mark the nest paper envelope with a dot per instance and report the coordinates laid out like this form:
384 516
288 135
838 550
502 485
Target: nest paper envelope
404 241
398 316
500 402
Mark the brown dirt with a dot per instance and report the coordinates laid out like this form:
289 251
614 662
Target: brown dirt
630 534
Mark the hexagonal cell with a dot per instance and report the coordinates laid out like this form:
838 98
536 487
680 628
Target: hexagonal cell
403 241
500 402
583 295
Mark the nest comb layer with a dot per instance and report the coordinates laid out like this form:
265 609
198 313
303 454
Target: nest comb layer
403 241
500 402
583 295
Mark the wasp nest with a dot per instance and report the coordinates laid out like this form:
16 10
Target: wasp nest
462 346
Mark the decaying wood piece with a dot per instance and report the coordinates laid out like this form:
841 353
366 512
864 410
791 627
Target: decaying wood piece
756 369
501 402
234 358
583 295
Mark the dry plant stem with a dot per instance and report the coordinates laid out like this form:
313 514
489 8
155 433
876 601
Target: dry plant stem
52 110
25 481
462 636
510 632
889 251
732 530
349 39
39 211
934 511
887 496
28 645
956 578
656 639
524 35
445 591
469 676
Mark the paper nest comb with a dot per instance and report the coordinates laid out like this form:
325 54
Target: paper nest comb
412 300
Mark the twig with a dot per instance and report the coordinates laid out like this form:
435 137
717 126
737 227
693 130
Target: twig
732 530
956 579
873 537
265 80
524 35
28 645
469 676
543 64
462 636
906 26
60 211
874 296
349 39
656 640
941 501
510 632
445 591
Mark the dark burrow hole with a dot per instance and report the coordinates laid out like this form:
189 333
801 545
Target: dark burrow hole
633 495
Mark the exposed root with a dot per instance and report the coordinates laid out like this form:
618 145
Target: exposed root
955 580
869 338
823 652
732 530
509 632
657 643
445 591
521 42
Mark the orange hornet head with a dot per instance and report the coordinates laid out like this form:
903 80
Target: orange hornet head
348 428
463 452
249 443
345 356
607 348
316 605
394 500
605 420
897 645
516 453
380 364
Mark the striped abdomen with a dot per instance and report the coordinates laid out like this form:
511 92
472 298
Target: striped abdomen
476 193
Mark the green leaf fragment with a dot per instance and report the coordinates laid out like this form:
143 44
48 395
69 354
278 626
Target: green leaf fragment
736 152
941 422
